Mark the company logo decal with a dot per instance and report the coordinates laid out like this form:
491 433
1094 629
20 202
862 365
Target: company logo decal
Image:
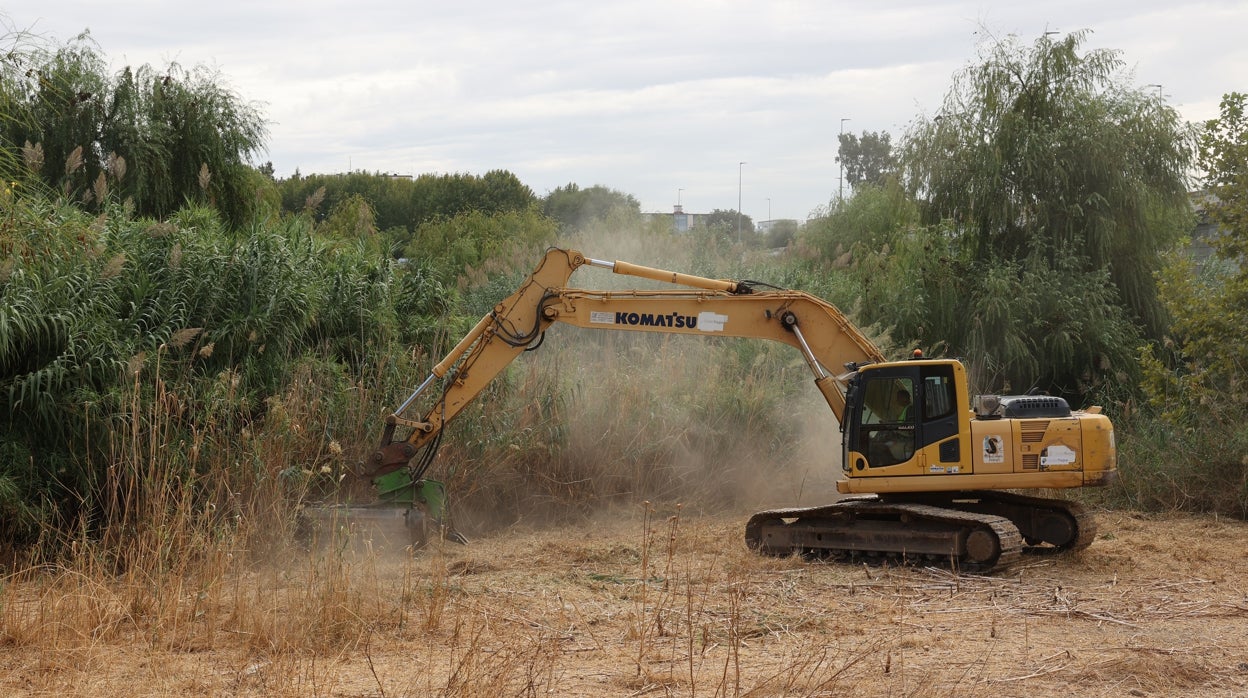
707 321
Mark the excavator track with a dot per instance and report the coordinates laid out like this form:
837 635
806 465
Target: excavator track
1048 526
871 528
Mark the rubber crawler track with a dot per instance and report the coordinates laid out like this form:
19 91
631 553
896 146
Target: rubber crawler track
870 510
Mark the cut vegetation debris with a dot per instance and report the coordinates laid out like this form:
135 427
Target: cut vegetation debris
654 604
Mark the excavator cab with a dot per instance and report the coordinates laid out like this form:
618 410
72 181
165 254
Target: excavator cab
900 414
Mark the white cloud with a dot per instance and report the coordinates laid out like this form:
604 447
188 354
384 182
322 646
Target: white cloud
647 97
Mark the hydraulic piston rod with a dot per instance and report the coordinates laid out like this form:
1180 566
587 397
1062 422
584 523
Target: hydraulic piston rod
670 277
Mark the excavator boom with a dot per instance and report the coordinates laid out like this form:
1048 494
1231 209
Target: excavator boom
705 307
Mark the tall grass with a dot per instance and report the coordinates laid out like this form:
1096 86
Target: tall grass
1164 466
182 337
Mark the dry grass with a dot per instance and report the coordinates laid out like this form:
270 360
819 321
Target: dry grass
646 602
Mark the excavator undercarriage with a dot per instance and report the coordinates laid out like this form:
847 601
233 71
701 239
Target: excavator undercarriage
976 532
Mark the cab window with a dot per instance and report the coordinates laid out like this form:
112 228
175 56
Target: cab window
938 394
887 434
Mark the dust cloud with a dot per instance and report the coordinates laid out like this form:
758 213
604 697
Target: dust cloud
599 420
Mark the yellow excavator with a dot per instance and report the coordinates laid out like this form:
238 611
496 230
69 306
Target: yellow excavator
926 473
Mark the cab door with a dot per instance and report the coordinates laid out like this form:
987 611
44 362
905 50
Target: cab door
939 421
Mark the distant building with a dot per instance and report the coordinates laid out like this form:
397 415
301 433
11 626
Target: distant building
1200 248
681 222
764 227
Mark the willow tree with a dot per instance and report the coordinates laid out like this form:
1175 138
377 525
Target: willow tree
21 51
160 138
1046 172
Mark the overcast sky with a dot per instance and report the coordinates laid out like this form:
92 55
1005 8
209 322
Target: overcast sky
658 99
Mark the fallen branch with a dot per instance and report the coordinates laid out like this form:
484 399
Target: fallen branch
1032 675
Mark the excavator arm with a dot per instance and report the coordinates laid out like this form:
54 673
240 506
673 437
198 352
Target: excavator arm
704 307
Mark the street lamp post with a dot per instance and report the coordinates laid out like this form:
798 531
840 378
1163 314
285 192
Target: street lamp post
840 178
740 166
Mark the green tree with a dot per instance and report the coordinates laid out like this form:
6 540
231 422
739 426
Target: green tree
352 222
781 234
1041 154
401 205
1188 451
1208 373
868 158
1054 189
874 218
575 207
1224 157
728 223
94 307
449 248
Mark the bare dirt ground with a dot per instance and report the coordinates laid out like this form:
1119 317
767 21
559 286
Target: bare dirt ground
669 603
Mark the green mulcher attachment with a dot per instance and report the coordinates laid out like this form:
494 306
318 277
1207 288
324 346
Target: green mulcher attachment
425 506
407 512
